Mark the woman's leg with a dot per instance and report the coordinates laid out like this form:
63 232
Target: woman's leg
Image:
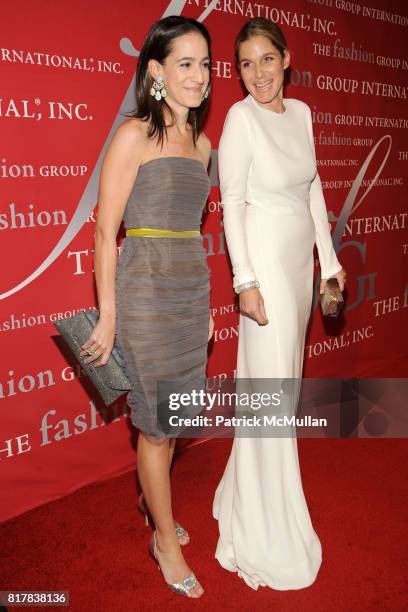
183 537
153 470
172 446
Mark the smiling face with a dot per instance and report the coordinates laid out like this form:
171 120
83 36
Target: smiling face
261 67
185 71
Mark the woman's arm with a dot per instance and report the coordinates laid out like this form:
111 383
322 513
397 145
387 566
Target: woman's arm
329 264
204 145
235 157
118 173
234 160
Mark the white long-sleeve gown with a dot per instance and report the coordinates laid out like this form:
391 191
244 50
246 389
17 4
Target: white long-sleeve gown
274 213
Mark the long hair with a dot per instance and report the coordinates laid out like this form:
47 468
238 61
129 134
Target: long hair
157 46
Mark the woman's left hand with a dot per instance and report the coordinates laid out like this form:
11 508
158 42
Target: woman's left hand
341 277
210 328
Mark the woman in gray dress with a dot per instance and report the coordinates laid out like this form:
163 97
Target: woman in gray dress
156 300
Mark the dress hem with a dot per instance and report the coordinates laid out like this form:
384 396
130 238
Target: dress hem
283 586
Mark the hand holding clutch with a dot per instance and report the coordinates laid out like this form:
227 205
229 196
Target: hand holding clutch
332 298
110 379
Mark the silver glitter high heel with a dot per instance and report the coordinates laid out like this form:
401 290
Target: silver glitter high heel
182 588
180 531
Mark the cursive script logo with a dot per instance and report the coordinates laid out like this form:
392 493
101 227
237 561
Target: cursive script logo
348 207
90 194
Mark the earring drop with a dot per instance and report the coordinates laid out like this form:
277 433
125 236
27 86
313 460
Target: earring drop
158 91
205 96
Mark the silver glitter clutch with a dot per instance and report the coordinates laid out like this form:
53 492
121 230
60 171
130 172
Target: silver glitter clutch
110 379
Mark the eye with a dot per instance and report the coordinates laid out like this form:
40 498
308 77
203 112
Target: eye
206 65
268 58
245 64
185 65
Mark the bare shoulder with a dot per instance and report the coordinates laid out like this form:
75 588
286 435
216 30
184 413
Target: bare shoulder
204 146
127 147
131 135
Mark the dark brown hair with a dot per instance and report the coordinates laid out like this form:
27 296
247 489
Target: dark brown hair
157 46
259 26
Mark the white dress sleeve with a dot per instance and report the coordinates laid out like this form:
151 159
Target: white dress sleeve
329 264
234 160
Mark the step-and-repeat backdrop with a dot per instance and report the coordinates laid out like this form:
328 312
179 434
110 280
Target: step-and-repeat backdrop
67 73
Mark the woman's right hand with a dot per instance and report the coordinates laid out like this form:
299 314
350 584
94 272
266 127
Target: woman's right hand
251 304
101 342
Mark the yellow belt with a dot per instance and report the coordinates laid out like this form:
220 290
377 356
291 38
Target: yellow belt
148 231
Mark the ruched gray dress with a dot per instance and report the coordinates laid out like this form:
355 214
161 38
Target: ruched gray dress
163 292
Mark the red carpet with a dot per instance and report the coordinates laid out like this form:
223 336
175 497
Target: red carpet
93 542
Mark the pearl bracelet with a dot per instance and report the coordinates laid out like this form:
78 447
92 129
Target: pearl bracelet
249 285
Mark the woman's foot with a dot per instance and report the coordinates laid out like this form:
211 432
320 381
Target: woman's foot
176 573
181 533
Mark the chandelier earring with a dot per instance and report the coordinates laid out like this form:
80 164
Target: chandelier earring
158 90
206 94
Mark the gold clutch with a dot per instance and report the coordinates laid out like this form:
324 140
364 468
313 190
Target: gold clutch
331 298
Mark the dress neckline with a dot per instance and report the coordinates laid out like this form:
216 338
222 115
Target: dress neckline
155 159
268 110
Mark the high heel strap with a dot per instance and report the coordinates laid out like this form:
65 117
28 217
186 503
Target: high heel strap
180 531
182 588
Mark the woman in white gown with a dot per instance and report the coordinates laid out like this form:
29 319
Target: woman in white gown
274 213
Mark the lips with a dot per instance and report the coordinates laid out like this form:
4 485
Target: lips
194 90
262 86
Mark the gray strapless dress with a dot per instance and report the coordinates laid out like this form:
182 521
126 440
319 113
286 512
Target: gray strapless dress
163 292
